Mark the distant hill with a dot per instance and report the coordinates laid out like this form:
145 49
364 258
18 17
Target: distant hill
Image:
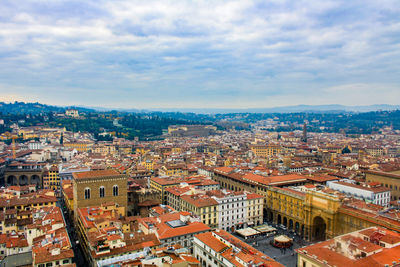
34 108
151 124
334 108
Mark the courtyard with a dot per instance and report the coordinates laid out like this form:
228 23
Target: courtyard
287 257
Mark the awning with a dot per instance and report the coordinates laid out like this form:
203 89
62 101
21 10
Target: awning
282 239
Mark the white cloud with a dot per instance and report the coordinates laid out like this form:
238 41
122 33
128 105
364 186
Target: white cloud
221 48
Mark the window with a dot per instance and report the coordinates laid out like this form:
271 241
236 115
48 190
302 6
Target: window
115 190
87 193
101 191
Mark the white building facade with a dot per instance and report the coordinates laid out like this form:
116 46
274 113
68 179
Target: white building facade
232 210
377 195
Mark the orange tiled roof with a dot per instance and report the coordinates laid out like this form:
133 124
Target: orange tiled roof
253 196
199 200
164 231
272 180
211 241
224 169
323 251
94 174
246 253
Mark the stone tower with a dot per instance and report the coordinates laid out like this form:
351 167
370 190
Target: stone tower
304 138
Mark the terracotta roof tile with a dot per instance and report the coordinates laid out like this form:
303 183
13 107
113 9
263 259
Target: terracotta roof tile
94 174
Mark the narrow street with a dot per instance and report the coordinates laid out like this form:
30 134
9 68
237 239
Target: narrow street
79 258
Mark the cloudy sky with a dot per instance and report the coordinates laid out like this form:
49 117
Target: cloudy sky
200 54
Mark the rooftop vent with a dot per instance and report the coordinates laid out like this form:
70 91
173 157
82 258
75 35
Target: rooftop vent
176 223
55 251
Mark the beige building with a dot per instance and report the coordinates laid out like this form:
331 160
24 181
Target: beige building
104 149
202 206
82 146
386 179
221 209
94 188
72 113
264 151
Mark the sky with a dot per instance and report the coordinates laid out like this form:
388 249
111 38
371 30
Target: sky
200 54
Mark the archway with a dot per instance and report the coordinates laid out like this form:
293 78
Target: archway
290 224
270 216
319 229
285 222
279 219
35 179
23 180
297 227
12 180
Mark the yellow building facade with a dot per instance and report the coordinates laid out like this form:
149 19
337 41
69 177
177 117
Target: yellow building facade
149 165
161 184
79 146
313 214
206 210
51 179
264 151
386 179
285 207
173 170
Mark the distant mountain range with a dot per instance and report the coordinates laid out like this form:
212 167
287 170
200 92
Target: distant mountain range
334 108
21 107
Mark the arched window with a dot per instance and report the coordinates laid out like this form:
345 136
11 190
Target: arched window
101 191
115 190
87 193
